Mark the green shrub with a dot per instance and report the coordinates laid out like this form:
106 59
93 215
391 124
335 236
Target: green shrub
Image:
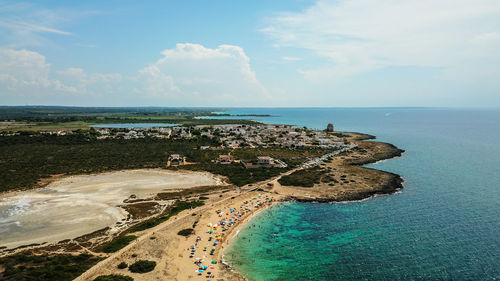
185 232
25 159
305 178
122 265
114 277
24 266
118 243
236 173
178 207
142 266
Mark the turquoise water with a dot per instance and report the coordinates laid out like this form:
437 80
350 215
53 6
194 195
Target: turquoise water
134 125
444 225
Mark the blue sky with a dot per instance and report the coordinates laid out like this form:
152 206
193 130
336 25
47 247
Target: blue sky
250 53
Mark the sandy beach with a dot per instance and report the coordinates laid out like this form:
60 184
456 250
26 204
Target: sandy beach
77 205
172 252
199 256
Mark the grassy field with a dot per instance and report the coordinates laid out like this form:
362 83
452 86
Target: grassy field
45 126
75 125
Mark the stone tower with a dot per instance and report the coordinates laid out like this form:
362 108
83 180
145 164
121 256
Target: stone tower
329 128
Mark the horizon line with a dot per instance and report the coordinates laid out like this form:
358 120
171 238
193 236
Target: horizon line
255 107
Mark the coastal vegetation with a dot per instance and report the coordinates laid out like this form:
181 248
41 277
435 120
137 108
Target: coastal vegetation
305 178
190 192
114 277
142 266
27 158
293 157
31 158
176 208
185 232
24 266
118 243
236 173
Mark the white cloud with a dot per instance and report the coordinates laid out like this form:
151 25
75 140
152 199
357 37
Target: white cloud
20 25
156 83
193 73
189 74
28 24
22 69
291 58
84 83
488 36
362 35
27 74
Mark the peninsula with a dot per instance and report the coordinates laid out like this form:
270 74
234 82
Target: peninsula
191 245
174 196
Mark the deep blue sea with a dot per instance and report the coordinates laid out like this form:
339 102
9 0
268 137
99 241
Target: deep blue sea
444 224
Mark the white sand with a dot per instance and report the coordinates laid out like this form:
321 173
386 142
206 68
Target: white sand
78 205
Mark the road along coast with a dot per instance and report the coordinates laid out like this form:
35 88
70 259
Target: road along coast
209 229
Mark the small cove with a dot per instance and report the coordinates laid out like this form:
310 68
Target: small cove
442 226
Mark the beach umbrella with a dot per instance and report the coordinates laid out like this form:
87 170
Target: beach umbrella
214 262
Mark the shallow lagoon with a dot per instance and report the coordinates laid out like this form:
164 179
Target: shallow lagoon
78 205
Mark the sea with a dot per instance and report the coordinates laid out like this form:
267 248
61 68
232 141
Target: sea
444 224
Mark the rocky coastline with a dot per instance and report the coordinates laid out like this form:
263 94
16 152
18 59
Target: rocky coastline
343 179
367 152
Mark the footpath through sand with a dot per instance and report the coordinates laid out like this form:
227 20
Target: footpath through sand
199 256
172 252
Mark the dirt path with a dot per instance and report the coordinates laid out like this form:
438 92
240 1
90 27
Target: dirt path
104 266
172 252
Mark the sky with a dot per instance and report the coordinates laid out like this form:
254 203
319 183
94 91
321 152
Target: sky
294 53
